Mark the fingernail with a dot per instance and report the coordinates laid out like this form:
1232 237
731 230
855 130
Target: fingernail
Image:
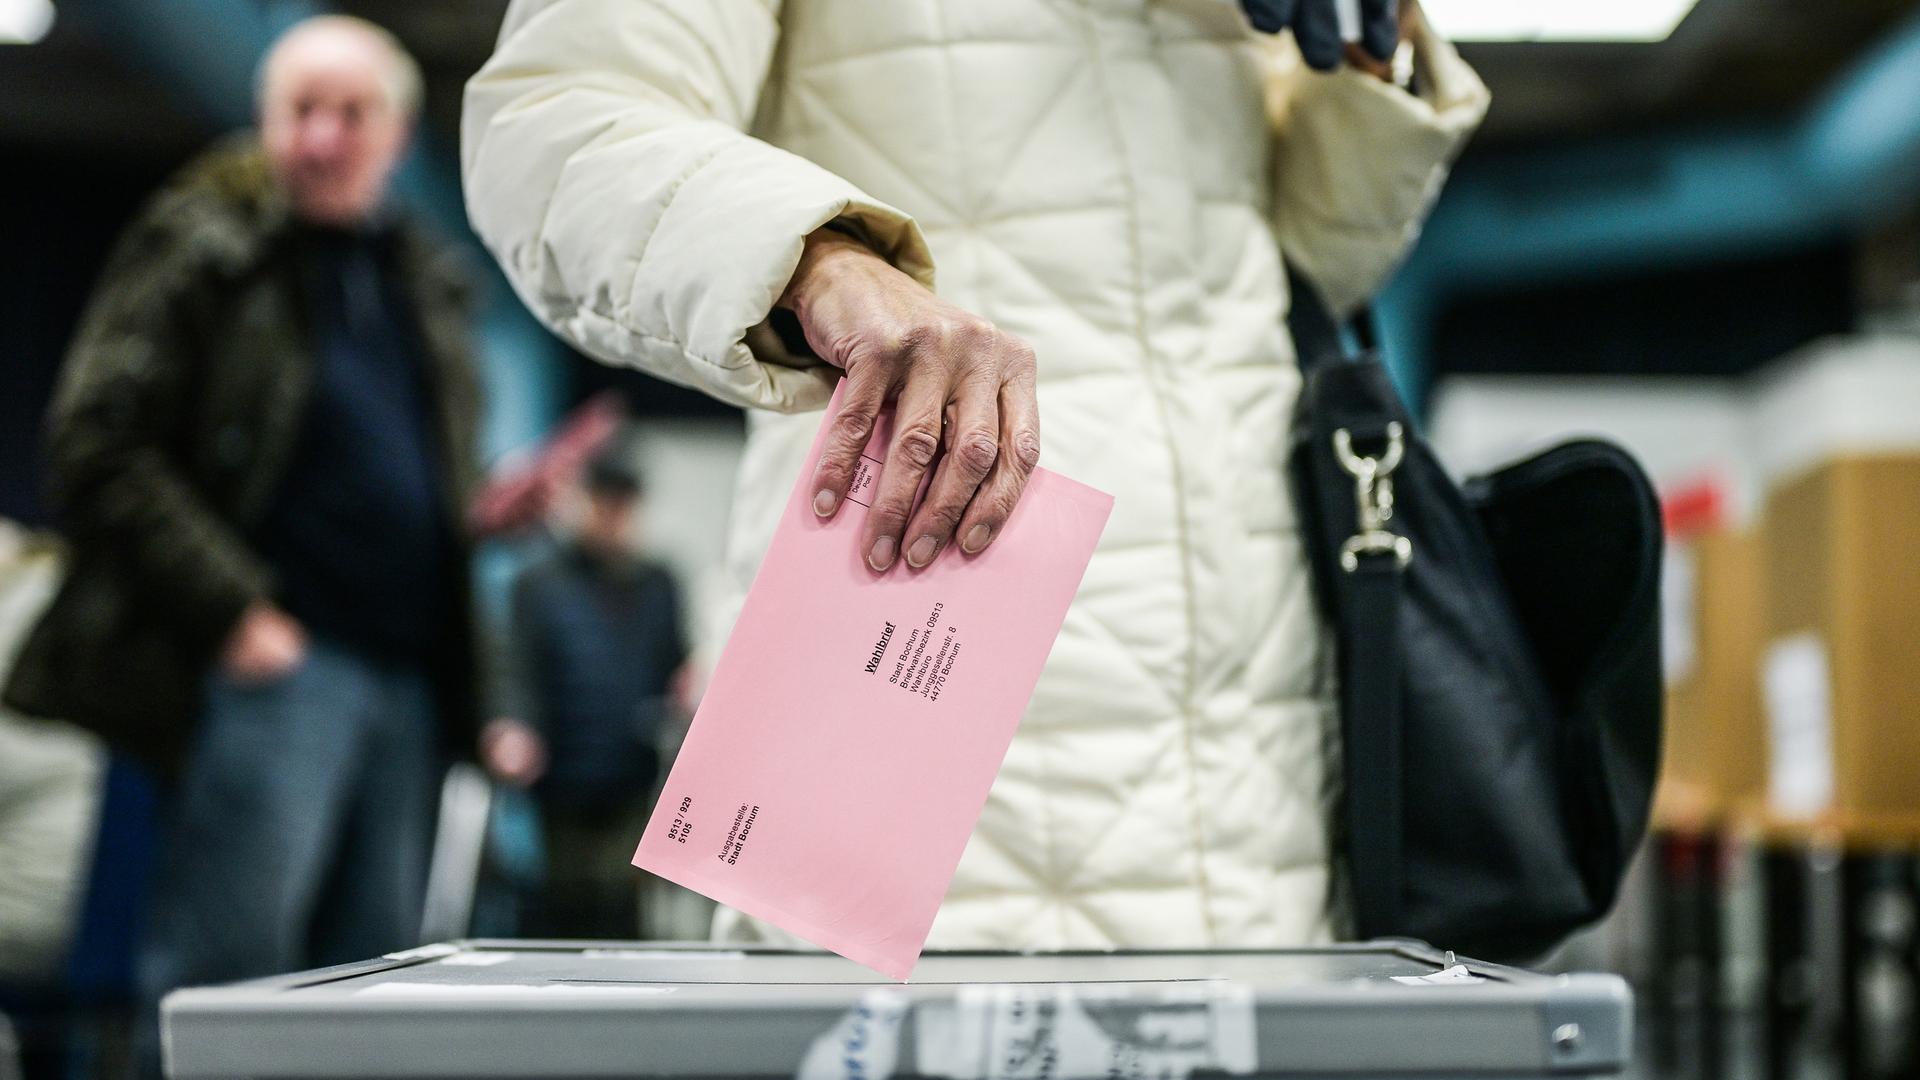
823 503
881 556
976 539
922 552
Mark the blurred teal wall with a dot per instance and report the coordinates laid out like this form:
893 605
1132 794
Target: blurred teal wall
1618 204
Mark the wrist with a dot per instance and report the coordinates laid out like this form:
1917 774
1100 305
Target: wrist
829 255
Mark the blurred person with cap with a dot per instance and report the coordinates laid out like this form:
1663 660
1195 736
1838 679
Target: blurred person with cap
596 669
754 198
260 453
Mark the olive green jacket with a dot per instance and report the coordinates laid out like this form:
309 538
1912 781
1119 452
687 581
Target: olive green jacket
170 433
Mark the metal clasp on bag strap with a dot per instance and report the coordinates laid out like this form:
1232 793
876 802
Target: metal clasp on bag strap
1373 498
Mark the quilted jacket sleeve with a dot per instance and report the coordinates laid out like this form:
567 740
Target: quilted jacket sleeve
1358 162
608 169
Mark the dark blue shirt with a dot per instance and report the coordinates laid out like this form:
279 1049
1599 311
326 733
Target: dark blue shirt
357 533
597 641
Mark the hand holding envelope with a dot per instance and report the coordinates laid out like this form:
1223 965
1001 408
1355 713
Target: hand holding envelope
959 385
855 723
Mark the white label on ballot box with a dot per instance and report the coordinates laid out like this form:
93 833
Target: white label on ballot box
1800 726
864 1045
1016 1032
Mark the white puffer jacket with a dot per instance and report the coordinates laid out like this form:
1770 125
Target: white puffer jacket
1113 180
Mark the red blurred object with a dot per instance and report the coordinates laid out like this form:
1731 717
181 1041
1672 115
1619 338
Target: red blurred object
1695 507
520 492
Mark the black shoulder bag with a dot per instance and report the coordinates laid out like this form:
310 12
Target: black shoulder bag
1499 664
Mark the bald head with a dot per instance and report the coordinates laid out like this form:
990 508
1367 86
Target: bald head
336 98
342 39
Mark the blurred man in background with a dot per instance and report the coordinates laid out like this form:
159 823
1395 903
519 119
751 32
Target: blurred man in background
259 454
597 660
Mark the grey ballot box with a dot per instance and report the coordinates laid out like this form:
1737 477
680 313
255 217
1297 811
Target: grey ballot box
573 1009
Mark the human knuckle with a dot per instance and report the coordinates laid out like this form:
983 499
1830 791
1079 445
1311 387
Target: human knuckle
1000 507
944 335
922 340
942 516
975 452
853 426
888 516
916 443
1026 450
884 339
833 472
976 331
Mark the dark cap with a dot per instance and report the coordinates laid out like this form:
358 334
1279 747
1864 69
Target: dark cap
612 472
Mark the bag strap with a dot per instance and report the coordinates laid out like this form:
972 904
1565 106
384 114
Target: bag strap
1369 642
1318 338
1370 704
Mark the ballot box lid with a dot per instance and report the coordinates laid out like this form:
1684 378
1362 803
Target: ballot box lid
578 1009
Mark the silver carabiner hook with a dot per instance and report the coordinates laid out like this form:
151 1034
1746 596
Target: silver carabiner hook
1381 466
1372 498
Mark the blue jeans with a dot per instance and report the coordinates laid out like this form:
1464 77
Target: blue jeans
300 831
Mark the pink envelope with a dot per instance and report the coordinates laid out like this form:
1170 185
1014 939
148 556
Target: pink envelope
855 720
